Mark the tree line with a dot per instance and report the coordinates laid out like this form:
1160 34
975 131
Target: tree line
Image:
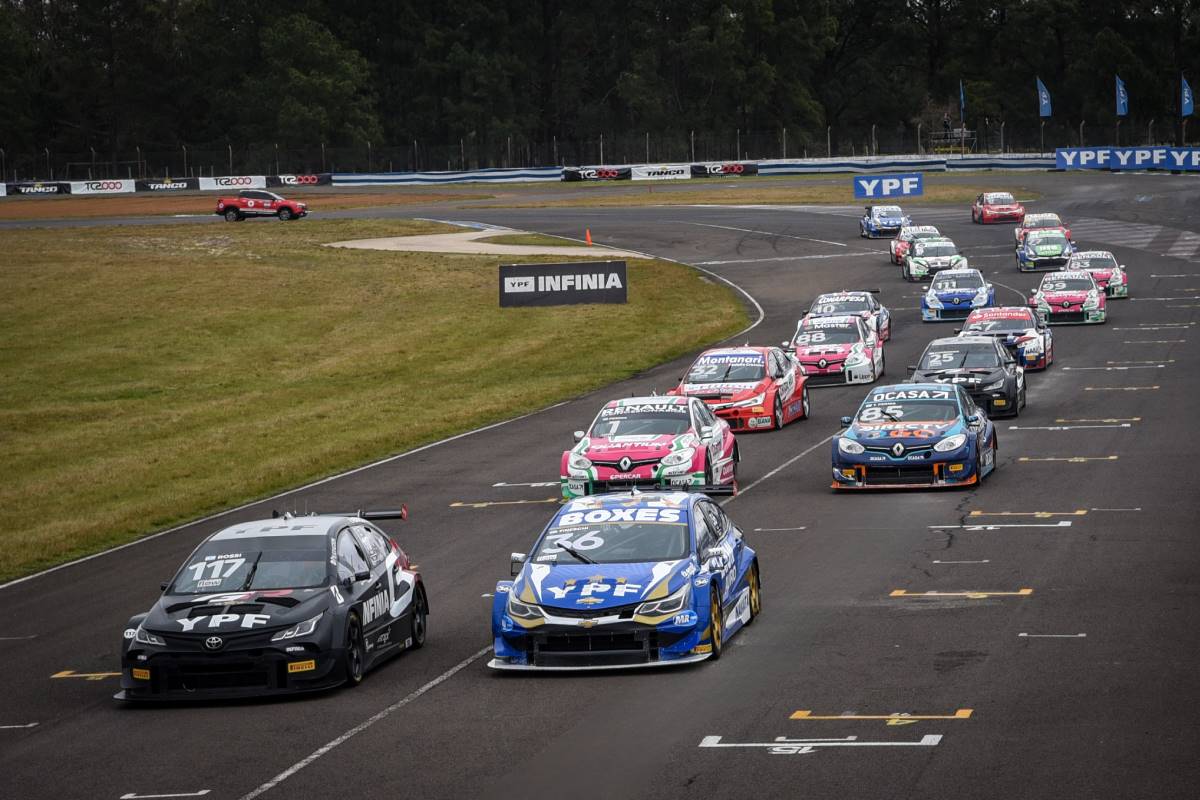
473 77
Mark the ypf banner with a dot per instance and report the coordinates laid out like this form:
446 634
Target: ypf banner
563 284
870 187
235 182
1175 158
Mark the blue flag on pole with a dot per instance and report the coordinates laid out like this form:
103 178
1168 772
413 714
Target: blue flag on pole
1043 99
1187 103
962 103
1122 98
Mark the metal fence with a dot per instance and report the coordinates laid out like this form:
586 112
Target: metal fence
926 137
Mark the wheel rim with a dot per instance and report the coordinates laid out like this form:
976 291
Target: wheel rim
419 621
355 654
804 399
755 592
778 413
716 625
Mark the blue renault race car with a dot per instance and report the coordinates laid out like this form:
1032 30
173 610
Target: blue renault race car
914 435
955 293
880 221
627 580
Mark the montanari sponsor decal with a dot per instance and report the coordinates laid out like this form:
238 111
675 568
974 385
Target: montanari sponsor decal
751 359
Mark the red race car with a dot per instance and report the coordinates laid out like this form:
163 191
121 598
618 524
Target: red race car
996 207
752 388
1040 222
259 203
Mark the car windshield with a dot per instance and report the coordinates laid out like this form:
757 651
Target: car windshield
1042 221
1056 240
238 565
909 411
653 534
811 333
1067 284
998 199
839 305
728 368
1000 324
887 211
648 419
936 250
959 356
951 283
1105 261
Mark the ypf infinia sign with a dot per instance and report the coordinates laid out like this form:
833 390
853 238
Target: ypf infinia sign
871 187
563 284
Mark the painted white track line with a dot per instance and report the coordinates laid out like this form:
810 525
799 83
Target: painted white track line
362 726
781 467
380 462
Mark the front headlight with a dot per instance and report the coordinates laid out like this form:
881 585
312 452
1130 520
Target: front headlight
1117 277
576 461
993 386
144 636
1033 344
856 360
1092 301
678 457
668 605
980 297
850 446
951 443
521 610
932 300
296 631
757 400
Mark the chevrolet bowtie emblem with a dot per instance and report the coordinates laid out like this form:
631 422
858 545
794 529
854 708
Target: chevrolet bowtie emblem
589 601
587 623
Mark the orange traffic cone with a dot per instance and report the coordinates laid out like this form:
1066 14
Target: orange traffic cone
587 235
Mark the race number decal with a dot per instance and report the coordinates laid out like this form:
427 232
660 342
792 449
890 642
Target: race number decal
216 566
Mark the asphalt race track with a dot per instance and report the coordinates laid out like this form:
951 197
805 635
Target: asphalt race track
1059 659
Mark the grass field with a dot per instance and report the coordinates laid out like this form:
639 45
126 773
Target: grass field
151 374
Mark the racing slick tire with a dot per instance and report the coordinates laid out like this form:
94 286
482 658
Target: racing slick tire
420 620
1023 400
804 402
233 215
356 653
716 624
778 413
882 367
755 593
285 214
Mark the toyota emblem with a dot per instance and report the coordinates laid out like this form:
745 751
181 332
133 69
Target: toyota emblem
625 463
822 363
214 643
897 449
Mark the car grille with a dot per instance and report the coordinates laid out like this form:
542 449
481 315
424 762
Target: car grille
219 675
626 485
598 648
633 464
827 379
1048 261
624 612
1067 316
955 312
908 451
891 475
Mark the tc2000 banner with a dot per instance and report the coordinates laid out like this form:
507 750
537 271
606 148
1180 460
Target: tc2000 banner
1175 158
563 284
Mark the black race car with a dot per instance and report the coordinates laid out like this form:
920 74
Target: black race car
277 606
981 365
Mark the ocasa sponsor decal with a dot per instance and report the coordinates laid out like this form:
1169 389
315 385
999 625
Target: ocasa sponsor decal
911 394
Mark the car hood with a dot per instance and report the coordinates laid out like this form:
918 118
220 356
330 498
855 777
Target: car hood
235 612
733 391
606 448
889 221
595 587
1047 249
1001 208
887 432
1060 297
951 294
814 352
968 378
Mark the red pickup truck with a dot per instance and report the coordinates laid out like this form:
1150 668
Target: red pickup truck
258 203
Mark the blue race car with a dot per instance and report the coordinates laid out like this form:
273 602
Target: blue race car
626 580
882 221
955 293
1044 250
914 435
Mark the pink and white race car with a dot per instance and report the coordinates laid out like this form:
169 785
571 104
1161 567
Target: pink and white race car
652 443
1109 274
834 351
751 388
1069 296
900 246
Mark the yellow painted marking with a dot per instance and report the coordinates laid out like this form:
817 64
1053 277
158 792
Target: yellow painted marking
1120 388
1079 512
486 503
1072 459
87 676
968 595
898 718
1111 419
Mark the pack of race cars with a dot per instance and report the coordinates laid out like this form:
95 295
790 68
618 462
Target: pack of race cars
640 566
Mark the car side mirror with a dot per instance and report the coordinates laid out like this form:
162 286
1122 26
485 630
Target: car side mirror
578 435
363 575
912 368
706 431
958 330
163 586
847 420
785 343
972 419
515 562
714 557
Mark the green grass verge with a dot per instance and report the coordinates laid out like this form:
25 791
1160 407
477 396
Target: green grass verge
150 375
530 240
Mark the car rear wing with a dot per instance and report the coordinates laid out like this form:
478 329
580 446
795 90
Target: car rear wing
396 513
